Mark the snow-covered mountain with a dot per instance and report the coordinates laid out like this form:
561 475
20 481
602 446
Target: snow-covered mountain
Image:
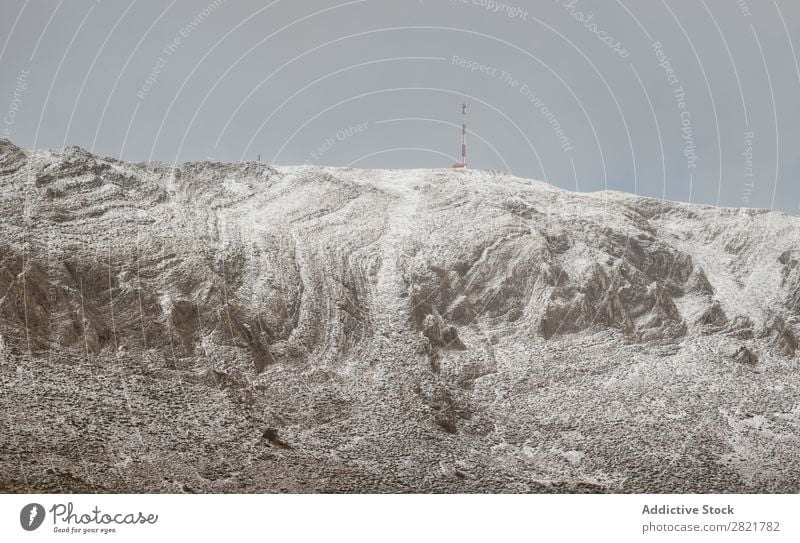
247 328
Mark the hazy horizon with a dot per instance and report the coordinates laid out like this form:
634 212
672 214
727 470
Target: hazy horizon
687 101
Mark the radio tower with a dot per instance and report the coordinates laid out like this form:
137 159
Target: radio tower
463 163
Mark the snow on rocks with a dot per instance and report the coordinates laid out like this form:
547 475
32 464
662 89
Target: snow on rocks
401 330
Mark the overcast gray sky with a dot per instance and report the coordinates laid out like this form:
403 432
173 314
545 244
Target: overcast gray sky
574 92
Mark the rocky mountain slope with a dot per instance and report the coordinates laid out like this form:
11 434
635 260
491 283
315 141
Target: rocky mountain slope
246 328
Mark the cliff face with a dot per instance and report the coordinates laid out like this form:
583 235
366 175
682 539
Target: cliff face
239 327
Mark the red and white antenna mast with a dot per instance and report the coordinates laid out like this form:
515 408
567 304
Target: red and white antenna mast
463 163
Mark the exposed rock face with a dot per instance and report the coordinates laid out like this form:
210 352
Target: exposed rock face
238 327
781 335
746 356
713 318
